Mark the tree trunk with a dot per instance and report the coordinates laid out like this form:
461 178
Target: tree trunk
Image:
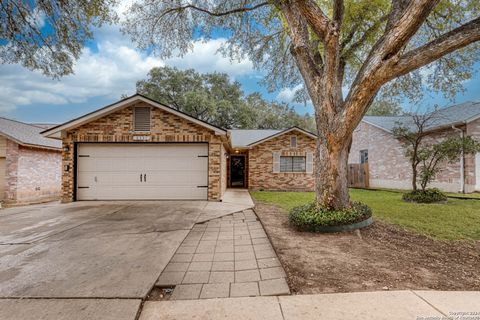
414 178
331 173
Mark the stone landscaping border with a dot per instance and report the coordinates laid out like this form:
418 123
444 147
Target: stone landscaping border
348 227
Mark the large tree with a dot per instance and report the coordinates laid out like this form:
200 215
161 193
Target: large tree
49 35
213 97
361 45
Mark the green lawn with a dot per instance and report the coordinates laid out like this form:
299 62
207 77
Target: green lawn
457 220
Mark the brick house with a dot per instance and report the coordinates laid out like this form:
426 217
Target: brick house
138 148
374 143
30 164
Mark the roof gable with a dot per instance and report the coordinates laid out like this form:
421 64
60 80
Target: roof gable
280 133
55 132
26 134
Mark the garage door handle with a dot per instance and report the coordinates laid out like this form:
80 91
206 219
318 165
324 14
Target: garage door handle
144 177
140 177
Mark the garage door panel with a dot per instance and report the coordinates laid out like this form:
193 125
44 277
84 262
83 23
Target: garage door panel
112 171
174 164
180 178
127 164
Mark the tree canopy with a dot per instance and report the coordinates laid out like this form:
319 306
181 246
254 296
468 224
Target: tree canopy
345 53
384 108
213 97
49 35
260 31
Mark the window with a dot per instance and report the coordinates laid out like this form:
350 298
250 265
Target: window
293 142
292 164
141 119
363 156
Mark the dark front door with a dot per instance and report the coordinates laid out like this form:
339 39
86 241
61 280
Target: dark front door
237 171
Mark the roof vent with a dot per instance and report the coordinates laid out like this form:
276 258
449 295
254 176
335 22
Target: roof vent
141 119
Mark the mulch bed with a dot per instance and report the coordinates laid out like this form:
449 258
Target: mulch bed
379 257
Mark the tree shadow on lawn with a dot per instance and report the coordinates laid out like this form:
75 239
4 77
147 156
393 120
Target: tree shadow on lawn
375 258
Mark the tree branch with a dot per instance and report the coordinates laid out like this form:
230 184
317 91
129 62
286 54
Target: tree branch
434 50
338 11
315 17
357 44
300 43
404 21
215 14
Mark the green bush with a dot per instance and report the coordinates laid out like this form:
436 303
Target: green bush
311 217
428 196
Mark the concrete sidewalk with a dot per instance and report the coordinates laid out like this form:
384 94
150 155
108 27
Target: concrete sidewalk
356 306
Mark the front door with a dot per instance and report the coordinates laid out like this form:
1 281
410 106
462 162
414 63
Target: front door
237 171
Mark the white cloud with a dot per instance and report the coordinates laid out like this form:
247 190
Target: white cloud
205 58
288 94
109 71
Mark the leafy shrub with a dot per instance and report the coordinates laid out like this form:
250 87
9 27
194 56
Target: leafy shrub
425 196
311 217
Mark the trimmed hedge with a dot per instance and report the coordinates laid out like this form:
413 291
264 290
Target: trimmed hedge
428 196
312 217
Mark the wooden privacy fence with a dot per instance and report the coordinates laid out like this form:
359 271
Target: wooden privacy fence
358 175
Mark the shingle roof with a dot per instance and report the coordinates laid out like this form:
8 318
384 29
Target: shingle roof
26 134
460 113
241 138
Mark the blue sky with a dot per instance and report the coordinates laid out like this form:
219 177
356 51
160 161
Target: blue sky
110 65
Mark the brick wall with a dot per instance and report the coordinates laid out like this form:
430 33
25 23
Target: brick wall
260 164
32 174
389 168
223 170
472 173
39 174
165 127
11 171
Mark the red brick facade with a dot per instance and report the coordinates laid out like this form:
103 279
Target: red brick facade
165 127
31 174
260 164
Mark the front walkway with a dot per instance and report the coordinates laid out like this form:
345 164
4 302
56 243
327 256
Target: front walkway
225 257
392 305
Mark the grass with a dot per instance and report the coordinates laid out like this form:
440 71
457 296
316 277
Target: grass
458 219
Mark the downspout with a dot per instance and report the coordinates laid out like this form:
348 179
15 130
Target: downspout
462 161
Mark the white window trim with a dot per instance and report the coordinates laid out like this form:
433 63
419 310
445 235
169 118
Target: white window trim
305 166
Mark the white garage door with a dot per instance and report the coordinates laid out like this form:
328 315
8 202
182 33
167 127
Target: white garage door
109 171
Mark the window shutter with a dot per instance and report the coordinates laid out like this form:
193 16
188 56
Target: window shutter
142 119
276 162
309 164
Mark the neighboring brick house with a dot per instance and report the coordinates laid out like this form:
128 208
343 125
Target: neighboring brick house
373 142
140 149
30 165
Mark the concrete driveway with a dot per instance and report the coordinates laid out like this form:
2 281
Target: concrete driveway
110 251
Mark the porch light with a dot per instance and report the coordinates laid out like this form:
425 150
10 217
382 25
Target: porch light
66 148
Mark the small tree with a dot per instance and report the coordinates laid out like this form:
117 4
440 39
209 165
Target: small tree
449 150
424 152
